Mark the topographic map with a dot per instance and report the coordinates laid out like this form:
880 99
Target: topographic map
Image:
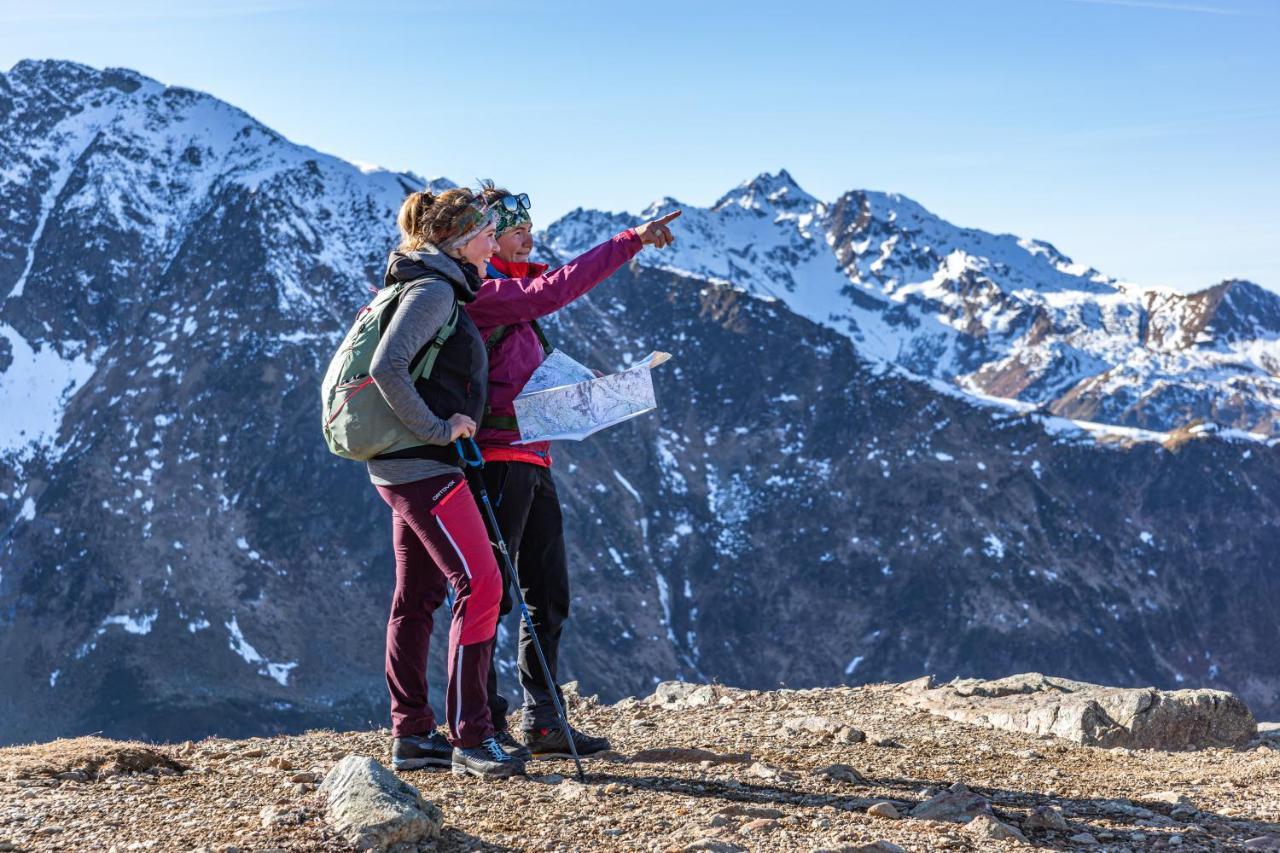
564 400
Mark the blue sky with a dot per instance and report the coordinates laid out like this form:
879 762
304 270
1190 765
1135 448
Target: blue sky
1138 136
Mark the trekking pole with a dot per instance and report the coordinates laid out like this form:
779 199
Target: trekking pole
477 461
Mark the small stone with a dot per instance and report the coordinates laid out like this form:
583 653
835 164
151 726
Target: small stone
851 735
711 845
957 804
986 827
1175 840
841 773
1263 842
570 790
813 724
1172 798
885 810
51 829
1028 754
1083 838
253 753
281 763
763 771
718 820
551 779
883 741
874 847
760 812
308 776
281 816
683 755
1046 817
760 825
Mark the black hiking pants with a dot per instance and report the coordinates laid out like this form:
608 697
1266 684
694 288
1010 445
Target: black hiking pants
528 510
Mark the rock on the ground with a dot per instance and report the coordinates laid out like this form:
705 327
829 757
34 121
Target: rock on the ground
885 810
1046 817
678 695
987 828
841 773
957 804
1090 714
373 809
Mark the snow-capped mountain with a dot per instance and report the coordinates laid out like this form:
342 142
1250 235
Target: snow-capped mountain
996 315
181 555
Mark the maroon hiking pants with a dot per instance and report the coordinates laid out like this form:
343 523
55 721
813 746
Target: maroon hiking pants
440 538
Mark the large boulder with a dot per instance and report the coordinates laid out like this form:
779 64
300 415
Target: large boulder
1090 714
373 809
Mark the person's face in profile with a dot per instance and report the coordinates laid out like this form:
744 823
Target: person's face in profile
516 245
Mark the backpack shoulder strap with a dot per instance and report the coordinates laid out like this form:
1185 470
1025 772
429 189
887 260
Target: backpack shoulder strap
495 338
542 338
500 332
426 359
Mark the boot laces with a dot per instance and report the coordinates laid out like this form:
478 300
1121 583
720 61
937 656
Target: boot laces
495 750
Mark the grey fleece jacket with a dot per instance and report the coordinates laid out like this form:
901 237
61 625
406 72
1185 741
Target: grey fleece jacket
424 307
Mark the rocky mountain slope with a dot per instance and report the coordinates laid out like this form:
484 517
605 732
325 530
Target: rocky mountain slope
182 556
993 314
696 769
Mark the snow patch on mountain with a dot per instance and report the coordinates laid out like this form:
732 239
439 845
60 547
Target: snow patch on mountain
35 388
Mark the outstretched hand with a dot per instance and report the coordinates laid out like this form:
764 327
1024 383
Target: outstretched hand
656 233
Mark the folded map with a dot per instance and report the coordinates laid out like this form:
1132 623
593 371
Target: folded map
564 400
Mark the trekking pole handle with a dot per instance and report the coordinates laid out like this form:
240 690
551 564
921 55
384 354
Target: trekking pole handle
476 459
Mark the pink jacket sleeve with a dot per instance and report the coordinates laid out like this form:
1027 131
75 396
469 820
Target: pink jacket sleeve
503 301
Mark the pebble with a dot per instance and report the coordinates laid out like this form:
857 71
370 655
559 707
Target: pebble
885 810
1083 838
306 776
1046 817
841 773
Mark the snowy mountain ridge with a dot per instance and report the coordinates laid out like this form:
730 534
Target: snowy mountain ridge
998 316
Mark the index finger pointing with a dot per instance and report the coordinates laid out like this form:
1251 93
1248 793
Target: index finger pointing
669 217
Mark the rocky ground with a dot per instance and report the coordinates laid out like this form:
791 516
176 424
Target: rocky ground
711 769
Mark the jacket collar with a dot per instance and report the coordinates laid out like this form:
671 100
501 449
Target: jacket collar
430 261
498 268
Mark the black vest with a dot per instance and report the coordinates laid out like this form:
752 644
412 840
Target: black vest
459 382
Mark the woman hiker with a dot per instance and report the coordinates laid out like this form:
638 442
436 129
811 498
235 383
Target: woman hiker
436 529
518 478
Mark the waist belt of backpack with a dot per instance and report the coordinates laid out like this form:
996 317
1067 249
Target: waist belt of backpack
507 422
448 454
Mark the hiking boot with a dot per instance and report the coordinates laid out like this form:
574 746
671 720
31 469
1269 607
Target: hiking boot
551 743
414 752
488 761
513 747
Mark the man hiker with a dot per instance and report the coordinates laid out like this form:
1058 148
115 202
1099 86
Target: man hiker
518 477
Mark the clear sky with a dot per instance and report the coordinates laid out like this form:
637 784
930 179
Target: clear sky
1139 136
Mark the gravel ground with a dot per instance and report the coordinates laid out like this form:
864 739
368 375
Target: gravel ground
789 770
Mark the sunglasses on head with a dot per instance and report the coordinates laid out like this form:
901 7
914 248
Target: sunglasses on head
514 203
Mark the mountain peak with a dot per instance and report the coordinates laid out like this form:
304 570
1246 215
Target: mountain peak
765 189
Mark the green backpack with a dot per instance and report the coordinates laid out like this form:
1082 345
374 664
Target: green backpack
358 423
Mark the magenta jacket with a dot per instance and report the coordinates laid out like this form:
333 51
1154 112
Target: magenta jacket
514 302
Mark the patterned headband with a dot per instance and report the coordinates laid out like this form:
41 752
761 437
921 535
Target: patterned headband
508 220
485 217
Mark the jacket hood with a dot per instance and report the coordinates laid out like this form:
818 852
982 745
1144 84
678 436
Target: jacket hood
430 262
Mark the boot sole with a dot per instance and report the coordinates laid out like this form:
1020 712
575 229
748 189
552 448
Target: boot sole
422 763
463 770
